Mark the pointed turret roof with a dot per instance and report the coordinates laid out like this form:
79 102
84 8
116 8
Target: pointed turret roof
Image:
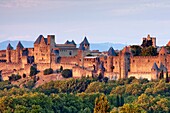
39 39
111 52
9 47
85 41
70 42
19 45
73 42
155 67
162 67
163 50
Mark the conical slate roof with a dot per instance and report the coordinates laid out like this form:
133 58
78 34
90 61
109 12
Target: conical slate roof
162 67
70 42
111 52
20 45
9 47
155 67
85 41
73 42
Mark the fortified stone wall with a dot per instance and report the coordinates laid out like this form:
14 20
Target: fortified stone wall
116 64
143 63
140 75
79 72
10 66
168 63
71 60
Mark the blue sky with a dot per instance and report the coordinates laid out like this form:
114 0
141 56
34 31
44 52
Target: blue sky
115 21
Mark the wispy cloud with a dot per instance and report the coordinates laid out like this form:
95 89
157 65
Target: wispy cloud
18 3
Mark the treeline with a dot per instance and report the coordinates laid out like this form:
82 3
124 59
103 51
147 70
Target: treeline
87 95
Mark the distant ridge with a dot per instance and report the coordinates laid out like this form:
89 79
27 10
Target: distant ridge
26 44
93 46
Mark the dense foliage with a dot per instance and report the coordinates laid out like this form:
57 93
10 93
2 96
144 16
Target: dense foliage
145 51
14 77
33 70
48 71
67 73
87 95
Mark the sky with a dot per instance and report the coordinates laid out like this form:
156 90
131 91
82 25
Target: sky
114 21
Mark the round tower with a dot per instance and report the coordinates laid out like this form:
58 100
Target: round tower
124 62
19 52
8 53
162 56
111 54
154 72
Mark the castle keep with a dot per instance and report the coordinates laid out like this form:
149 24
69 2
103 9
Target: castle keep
83 61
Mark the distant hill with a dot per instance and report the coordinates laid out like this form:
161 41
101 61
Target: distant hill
106 46
93 46
26 44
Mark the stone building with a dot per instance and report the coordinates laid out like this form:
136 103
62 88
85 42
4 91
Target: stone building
46 53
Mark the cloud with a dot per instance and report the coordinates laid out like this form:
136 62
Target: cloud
19 3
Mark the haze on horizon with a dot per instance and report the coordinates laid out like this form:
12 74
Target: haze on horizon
115 21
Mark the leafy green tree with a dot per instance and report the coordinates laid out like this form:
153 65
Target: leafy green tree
48 71
14 77
61 68
121 100
67 73
101 104
149 51
136 50
1 76
100 77
167 78
131 108
117 101
33 71
105 79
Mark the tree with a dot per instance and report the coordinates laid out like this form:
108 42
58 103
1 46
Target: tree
105 79
61 68
167 78
1 76
121 100
117 101
48 71
136 50
66 73
131 108
33 71
101 104
14 77
100 77
149 51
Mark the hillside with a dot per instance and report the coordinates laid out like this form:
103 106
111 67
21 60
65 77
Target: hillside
87 95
